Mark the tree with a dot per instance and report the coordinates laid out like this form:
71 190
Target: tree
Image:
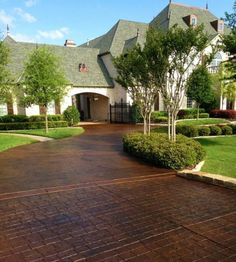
173 56
199 86
133 74
44 81
5 94
230 18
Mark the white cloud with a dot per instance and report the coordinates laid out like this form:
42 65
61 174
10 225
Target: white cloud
5 18
24 38
54 34
25 16
30 3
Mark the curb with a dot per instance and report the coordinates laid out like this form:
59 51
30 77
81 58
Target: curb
38 138
213 179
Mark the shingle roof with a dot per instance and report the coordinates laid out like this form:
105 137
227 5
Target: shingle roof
114 40
70 57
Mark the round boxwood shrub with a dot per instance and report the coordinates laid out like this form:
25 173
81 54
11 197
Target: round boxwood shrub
204 131
226 130
72 115
204 115
215 131
158 150
189 131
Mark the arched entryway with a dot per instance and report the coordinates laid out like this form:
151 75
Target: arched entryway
92 106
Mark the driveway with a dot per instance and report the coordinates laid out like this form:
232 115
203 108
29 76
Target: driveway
83 199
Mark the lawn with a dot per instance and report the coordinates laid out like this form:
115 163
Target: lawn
202 121
9 141
221 155
56 133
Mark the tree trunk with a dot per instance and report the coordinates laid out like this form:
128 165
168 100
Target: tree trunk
198 110
46 119
149 123
169 125
145 124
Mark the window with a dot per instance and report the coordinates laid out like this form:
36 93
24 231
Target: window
189 103
221 27
193 21
3 109
213 68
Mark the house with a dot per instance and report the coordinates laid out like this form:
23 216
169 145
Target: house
89 67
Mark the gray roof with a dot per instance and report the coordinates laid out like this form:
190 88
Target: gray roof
175 13
115 40
70 57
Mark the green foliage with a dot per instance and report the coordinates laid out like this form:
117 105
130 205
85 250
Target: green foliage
230 18
44 81
204 131
187 130
135 116
204 115
189 113
13 118
31 125
199 86
39 118
215 131
226 130
72 115
158 150
5 94
233 129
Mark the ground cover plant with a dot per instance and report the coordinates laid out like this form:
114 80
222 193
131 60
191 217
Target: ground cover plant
9 141
56 133
204 121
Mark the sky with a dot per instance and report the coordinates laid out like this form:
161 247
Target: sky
54 21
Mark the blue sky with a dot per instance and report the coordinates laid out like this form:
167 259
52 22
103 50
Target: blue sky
53 21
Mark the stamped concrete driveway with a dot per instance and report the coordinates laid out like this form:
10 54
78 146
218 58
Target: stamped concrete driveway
83 199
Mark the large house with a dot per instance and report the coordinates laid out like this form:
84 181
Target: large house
89 67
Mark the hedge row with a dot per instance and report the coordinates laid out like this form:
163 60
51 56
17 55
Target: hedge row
190 113
158 150
227 114
31 125
214 130
24 118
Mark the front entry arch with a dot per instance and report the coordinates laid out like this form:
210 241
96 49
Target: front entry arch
92 106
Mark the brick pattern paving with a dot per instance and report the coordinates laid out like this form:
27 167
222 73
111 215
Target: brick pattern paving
163 218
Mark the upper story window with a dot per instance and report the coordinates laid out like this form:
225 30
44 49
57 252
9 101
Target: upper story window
83 67
215 63
221 26
218 25
193 20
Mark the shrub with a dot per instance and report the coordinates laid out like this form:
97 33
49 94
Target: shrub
31 125
161 119
189 113
41 118
228 114
233 128
189 131
204 115
13 118
72 115
204 131
158 150
155 116
215 131
226 130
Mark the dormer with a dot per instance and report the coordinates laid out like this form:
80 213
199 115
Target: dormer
218 26
191 20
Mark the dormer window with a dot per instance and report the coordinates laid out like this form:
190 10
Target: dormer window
218 26
191 20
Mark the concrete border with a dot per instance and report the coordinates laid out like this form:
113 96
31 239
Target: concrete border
208 178
38 138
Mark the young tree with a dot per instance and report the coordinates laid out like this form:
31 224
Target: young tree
199 86
230 18
133 74
44 81
5 94
178 51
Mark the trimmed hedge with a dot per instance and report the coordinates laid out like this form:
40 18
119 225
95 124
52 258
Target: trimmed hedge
204 131
215 131
31 125
189 113
227 114
41 118
227 130
204 115
158 150
189 131
13 118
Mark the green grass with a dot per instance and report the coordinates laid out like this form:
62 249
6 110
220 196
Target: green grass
203 121
56 133
221 155
9 141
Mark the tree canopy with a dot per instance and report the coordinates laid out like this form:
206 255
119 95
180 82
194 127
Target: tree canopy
44 80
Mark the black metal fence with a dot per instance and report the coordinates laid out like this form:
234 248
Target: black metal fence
120 113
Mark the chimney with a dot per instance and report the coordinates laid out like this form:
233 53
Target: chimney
69 43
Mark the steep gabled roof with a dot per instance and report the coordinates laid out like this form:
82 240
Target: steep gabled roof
70 57
114 40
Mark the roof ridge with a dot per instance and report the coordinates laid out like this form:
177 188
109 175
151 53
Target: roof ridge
189 6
